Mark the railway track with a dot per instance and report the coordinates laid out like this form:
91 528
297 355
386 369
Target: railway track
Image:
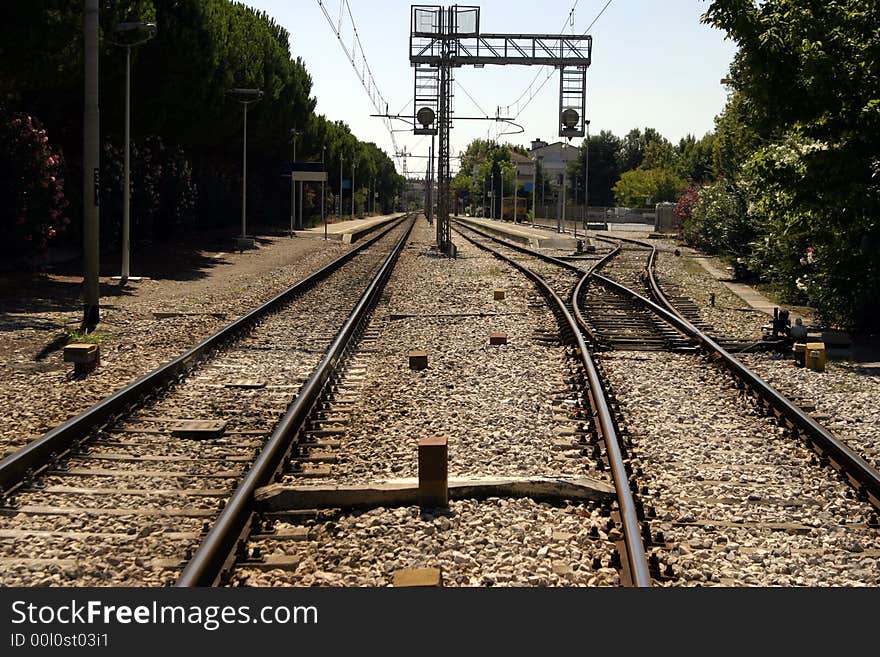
382 407
729 472
154 484
595 409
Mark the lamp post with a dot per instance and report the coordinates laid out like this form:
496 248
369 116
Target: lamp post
91 162
587 182
353 165
293 134
139 33
245 97
339 209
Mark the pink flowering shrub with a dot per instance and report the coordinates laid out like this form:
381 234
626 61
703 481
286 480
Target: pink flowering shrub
32 203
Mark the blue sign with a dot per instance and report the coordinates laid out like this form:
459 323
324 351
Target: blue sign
346 184
528 187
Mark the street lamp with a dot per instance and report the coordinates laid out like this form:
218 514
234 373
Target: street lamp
245 97
131 34
323 216
339 209
354 164
293 135
587 180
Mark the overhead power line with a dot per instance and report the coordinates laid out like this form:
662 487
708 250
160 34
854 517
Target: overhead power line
549 74
357 57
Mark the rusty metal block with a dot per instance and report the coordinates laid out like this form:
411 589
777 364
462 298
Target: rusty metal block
499 294
418 360
498 338
433 472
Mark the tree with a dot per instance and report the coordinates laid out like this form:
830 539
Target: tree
694 158
604 168
635 145
645 187
807 102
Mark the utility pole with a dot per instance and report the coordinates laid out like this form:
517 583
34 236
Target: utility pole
534 191
293 133
123 30
353 166
587 182
339 209
514 195
91 168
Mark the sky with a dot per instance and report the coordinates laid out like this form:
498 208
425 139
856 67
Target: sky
653 65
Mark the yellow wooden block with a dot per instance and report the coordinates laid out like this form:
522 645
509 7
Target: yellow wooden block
418 577
815 356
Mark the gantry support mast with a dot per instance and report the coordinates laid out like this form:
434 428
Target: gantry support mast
444 38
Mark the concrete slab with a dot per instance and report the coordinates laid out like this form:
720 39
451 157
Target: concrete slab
348 231
403 492
535 238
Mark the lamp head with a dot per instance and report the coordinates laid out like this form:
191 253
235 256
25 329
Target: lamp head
570 118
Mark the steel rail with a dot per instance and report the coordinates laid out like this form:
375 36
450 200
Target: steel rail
635 550
207 563
865 477
34 456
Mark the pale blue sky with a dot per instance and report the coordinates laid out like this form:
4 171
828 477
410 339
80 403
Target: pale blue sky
653 64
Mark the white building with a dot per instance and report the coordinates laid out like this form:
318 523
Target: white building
554 157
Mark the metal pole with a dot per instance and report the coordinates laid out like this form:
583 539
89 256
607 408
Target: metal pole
126 190
91 164
323 194
492 199
299 223
353 165
564 179
293 187
575 202
587 182
534 192
514 196
339 209
244 178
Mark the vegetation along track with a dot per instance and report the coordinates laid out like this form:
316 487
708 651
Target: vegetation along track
124 493
730 495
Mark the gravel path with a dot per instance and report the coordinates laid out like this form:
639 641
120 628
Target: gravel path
720 474
845 397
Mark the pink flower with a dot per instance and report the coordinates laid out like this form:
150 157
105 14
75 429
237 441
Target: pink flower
52 233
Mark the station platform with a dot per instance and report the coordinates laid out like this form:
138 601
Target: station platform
536 238
349 231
